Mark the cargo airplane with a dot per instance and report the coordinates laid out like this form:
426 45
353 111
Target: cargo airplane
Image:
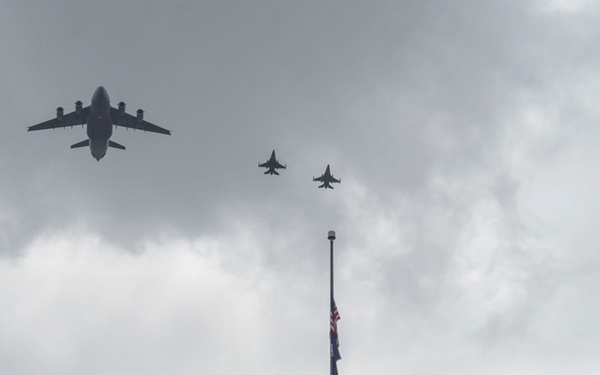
99 117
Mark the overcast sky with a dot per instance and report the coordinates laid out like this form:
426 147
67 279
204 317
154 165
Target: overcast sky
465 133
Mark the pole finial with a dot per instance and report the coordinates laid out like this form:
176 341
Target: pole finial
331 235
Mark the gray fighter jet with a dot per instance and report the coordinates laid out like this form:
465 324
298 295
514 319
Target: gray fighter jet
327 179
99 118
272 164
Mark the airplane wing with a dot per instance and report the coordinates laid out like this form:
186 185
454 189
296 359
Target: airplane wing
263 165
128 121
318 179
333 179
279 165
70 119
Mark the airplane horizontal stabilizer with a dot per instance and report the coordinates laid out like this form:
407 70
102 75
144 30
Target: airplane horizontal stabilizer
115 145
81 144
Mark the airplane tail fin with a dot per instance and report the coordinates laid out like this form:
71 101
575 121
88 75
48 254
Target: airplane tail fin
115 145
81 144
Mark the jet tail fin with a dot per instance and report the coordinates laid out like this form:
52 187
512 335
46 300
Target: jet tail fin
81 144
115 145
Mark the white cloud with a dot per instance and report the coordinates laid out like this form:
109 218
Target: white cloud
567 6
74 304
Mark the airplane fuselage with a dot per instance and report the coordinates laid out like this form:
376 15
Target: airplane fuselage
99 123
271 165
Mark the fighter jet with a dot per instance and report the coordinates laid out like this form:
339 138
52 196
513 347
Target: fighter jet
272 164
327 179
99 117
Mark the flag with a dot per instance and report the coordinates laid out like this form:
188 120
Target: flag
333 337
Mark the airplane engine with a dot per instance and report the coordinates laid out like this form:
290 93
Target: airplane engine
59 113
121 109
78 107
140 115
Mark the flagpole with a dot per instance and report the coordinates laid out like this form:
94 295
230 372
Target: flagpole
331 238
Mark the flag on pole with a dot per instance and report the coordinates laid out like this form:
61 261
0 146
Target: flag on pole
334 342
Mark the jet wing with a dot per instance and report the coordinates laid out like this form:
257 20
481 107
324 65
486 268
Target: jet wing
318 178
269 164
128 121
70 119
333 179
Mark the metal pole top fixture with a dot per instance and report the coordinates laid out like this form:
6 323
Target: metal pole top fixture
331 235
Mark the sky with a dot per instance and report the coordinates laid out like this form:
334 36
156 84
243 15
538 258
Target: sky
465 134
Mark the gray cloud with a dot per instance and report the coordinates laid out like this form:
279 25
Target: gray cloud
464 135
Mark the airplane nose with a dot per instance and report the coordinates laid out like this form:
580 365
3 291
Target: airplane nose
101 95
